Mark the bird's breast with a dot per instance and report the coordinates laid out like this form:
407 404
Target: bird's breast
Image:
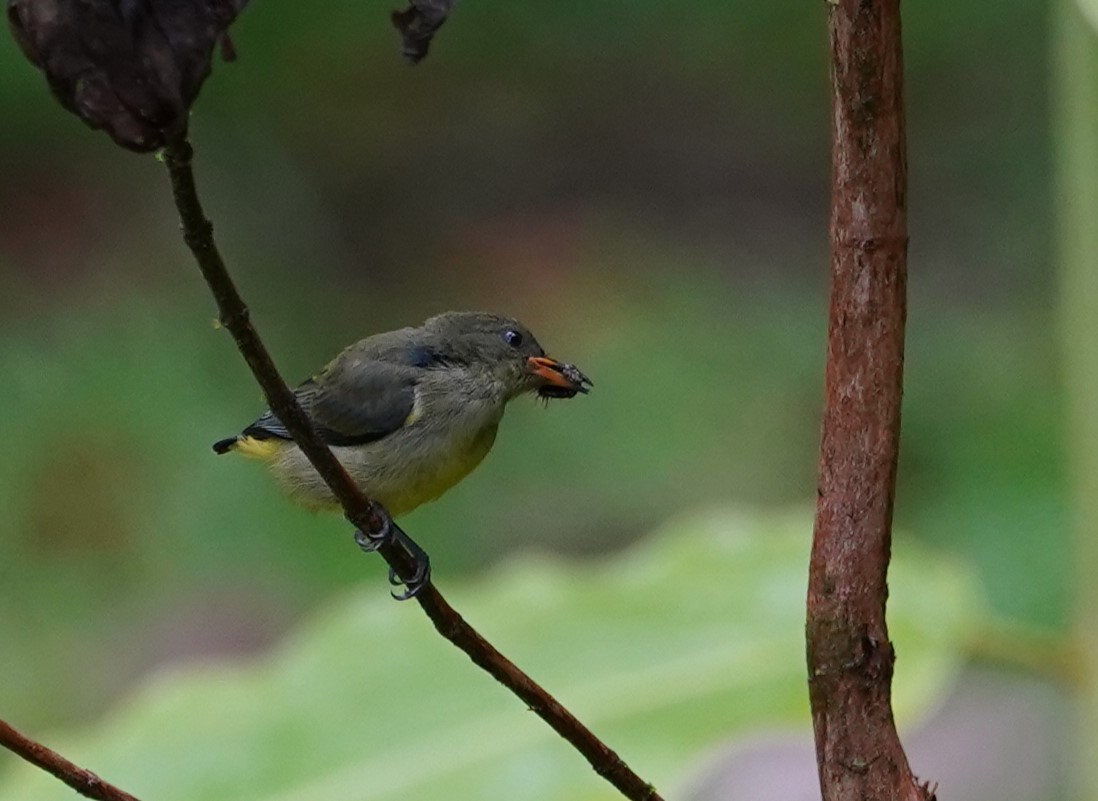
442 442
424 467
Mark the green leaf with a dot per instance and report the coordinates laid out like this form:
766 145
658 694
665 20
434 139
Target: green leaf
690 638
1090 11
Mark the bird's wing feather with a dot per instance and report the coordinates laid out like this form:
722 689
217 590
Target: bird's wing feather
350 404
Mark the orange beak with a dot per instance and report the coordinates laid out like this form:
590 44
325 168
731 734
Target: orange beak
560 380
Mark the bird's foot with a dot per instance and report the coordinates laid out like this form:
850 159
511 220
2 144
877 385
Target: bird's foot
418 580
369 541
391 532
421 575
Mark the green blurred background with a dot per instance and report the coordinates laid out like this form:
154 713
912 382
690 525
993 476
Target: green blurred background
644 184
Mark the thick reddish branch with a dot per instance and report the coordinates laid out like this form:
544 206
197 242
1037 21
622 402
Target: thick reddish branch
850 658
83 781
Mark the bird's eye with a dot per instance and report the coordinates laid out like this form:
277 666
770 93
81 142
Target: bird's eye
512 337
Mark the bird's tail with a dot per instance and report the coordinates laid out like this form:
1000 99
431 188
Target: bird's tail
260 448
225 445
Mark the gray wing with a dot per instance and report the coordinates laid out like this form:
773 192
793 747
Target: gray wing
350 403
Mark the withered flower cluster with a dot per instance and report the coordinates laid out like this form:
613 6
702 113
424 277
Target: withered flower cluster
134 67
130 67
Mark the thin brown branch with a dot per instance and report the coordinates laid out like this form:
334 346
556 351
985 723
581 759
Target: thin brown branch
367 516
850 658
83 781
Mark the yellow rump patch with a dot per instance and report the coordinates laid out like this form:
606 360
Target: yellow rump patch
263 449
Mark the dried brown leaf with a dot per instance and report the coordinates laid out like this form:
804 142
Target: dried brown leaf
130 67
418 24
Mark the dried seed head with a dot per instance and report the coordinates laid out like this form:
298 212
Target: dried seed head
417 25
130 67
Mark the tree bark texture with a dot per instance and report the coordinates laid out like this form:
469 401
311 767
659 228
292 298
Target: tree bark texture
850 658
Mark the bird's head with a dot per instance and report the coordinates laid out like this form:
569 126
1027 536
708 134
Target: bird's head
506 350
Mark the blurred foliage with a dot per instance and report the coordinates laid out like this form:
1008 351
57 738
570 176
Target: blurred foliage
643 183
1089 9
696 635
119 498
1076 49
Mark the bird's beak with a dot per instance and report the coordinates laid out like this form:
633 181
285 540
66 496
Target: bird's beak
558 380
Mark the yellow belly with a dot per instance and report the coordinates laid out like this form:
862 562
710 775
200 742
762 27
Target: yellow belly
398 485
431 479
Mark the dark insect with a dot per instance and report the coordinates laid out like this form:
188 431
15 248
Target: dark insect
580 383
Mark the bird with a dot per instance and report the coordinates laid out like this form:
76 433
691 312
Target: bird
410 413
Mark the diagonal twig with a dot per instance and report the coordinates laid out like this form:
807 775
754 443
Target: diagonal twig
83 781
359 510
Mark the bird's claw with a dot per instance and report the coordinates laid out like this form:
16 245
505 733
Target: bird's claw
420 577
370 542
390 532
412 586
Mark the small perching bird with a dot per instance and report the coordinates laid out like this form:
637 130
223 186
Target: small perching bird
409 413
